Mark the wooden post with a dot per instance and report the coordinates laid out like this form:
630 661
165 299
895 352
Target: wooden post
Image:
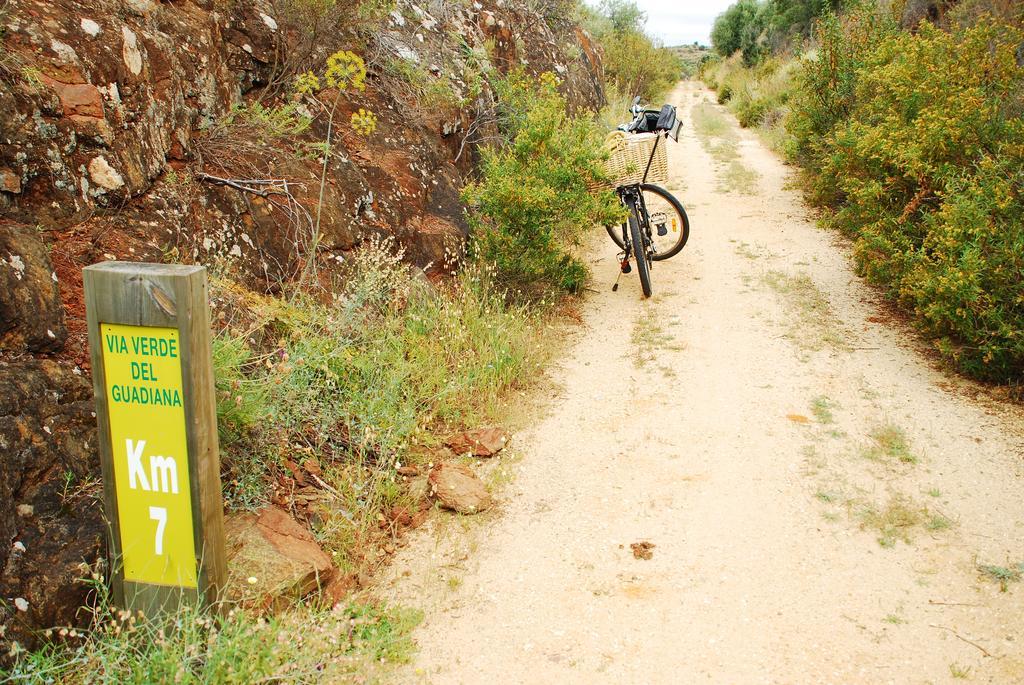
152 371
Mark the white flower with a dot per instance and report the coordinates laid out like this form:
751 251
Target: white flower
252 580
20 546
21 604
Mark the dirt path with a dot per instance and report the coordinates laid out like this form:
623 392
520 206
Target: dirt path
819 496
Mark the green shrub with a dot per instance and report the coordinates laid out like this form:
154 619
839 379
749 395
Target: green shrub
927 174
708 70
763 93
758 96
533 199
752 111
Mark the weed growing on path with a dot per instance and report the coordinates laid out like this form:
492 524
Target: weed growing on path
813 461
709 123
889 442
960 672
894 521
502 474
1004 575
937 522
813 326
899 517
749 251
739 178
718 137
821 407
649 337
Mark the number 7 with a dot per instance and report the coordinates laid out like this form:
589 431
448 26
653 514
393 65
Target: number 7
159 514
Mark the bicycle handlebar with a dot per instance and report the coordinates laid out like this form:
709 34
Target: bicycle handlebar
652 120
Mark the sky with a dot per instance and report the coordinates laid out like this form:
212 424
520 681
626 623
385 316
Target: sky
678 22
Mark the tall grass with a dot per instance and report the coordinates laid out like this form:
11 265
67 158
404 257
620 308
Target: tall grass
758 96
365 382
349 643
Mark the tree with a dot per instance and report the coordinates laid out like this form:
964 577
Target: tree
790 18
634 63
732 26
757 28
637 66
624 15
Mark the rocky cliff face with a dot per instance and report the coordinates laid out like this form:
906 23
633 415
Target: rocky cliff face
121 137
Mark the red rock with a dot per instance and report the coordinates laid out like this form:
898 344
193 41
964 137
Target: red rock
643 549
92 126
46 567
338 589
457 488
401 516
77 99
10 182
482 442
418 519
273 558
32 318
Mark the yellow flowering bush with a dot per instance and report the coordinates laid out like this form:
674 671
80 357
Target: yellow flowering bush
549 80
919 148
307 82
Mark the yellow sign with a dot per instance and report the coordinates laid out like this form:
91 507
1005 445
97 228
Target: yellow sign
142 365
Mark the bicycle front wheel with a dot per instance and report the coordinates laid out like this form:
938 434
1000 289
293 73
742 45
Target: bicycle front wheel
670 227
642 254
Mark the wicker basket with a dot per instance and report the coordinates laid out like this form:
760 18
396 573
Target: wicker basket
629 155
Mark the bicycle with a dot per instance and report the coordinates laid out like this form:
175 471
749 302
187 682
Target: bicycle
657 227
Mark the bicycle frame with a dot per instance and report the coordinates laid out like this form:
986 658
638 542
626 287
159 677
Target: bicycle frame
632 198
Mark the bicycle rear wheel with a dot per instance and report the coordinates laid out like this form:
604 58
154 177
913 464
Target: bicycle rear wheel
670 227
642 253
